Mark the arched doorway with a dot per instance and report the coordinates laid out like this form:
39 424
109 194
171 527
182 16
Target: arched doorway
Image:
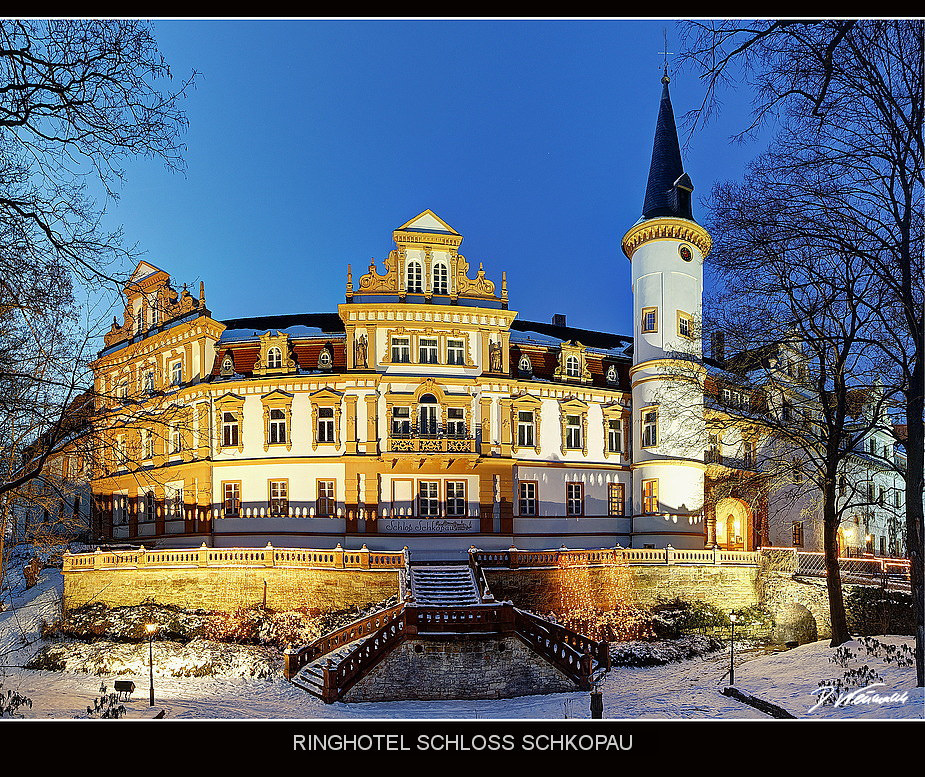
734 525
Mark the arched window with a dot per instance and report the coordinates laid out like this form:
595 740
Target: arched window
441 279
573 367
427 415
274 357
415 277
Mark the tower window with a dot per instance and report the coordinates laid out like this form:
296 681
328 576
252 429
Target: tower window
616 503
650 496
649 428
685 325
650 319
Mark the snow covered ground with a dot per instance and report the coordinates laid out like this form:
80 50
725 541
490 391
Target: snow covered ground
688 689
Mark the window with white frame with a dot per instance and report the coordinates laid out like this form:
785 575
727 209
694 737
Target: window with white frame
401 421
455 422
527 497
455 352
427 350
148 382
176 373
279 498
230 430
231 499
415 277
574 499
428 498
326 424
148 444
326 502
615 435
277 427
572 367
274 357
427 415
401 350
573 437
456 497
176 439
526 429
441 278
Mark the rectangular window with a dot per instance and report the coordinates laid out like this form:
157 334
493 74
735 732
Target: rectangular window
401 421
176 373
229 430
573 431
751 456
455 352
649 428
527 497
173 502
279 498
882 545
455 422
427 350
326 424
428 498
401 350
650 496
616 501
231 499
797 534
277 429
525 429
685 325
649 320
148 445
176 439
615 435
326 503
456 497
574 499
148 382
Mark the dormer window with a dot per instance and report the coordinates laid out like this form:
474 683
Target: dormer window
415 277
572 367
274 358
524 366
612 374
227 366
324 359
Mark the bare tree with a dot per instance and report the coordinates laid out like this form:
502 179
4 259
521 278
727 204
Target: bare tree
77 99
848 96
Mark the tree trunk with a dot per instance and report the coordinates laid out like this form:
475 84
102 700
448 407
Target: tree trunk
915 480
837 614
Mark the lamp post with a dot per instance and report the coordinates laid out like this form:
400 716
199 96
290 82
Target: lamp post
151 628
733 619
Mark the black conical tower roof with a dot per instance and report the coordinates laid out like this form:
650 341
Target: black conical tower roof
668 191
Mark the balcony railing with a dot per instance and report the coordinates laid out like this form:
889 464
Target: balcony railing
437 440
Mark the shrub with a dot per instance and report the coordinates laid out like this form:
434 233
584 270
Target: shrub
873 610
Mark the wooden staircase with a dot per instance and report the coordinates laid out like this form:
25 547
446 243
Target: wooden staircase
445 600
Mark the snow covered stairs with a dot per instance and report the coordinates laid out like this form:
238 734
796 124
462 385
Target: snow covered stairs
311 677
444 586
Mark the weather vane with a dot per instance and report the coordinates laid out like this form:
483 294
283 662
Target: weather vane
665 53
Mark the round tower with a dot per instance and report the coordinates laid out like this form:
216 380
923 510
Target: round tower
666 248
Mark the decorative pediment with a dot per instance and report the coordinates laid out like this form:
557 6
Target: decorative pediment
573 363
276 355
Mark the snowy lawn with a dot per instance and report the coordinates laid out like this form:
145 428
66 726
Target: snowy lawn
689 689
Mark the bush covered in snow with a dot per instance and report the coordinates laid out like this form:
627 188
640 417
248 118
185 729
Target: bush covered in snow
656 653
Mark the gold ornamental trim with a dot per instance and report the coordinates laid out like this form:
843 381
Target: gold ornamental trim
666 229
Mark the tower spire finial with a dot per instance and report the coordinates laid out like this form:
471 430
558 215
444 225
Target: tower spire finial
665 53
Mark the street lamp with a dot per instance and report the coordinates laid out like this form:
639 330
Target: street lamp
151 628
733 619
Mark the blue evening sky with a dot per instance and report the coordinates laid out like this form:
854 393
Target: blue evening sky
310 141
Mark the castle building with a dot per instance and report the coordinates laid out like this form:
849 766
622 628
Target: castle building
423 413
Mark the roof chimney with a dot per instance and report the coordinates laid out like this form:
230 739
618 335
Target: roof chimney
558 319
718 347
